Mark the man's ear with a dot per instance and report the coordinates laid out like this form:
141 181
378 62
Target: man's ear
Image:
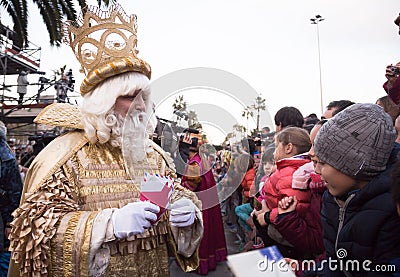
289 148
398 208
278 128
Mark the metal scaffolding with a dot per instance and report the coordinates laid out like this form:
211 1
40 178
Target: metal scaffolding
13 60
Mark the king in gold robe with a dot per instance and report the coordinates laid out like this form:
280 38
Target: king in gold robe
63 226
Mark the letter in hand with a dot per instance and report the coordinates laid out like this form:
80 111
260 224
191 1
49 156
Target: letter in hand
158 190
287 204
133 218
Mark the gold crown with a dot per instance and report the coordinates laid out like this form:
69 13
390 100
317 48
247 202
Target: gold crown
104 42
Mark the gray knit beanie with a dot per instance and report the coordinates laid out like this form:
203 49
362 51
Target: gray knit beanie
357 141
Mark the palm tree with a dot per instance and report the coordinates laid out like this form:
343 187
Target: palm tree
258 106
247 113
52 12
180 104
193 121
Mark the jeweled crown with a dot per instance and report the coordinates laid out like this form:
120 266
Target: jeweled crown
104 42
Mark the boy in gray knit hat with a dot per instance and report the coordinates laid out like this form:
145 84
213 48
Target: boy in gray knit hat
357 143
355 153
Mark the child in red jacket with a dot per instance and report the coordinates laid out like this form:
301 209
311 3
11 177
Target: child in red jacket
304 232
291 144
245 168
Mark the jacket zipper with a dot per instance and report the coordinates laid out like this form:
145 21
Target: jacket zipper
342 211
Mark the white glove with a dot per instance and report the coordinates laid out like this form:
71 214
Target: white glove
182 213
133 218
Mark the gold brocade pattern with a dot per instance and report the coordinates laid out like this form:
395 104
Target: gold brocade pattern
84 266
60 114
101 182
78 244
57 262
48 162
59 213
107 189
68 244
138 264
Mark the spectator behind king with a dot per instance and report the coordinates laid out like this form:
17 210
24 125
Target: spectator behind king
392 85
10 194
389 106
336 107
286 117
248 145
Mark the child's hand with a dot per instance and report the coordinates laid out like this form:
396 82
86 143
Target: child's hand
287 204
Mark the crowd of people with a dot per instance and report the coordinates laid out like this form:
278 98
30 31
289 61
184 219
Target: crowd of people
319 189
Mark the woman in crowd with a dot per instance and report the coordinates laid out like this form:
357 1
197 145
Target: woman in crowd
198 177
292 146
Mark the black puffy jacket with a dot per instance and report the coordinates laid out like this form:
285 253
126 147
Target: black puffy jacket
366 227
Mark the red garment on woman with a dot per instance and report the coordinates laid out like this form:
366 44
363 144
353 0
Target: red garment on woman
213 246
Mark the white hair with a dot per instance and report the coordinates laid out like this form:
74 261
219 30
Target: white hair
98 118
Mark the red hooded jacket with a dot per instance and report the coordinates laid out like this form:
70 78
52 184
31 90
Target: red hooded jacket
279 185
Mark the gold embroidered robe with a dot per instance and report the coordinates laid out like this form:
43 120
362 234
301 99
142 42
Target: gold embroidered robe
63 228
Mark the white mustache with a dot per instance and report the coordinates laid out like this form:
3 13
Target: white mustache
136 120
134 143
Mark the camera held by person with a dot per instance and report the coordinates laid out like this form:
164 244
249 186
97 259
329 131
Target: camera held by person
397 22
393 70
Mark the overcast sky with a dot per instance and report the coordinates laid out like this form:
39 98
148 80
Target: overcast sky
271 45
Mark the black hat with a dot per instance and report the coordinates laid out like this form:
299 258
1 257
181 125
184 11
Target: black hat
190 130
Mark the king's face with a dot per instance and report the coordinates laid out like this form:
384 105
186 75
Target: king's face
123 103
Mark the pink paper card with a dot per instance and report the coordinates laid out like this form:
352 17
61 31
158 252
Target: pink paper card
158 190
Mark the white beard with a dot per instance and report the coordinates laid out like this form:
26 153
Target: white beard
135 140
130 133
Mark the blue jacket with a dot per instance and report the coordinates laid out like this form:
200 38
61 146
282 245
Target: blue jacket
10 189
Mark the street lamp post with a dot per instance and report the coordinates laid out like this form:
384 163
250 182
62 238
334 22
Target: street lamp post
317 19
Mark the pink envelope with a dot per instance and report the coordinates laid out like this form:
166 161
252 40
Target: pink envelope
158 190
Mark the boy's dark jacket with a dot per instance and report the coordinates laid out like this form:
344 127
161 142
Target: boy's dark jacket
371 226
